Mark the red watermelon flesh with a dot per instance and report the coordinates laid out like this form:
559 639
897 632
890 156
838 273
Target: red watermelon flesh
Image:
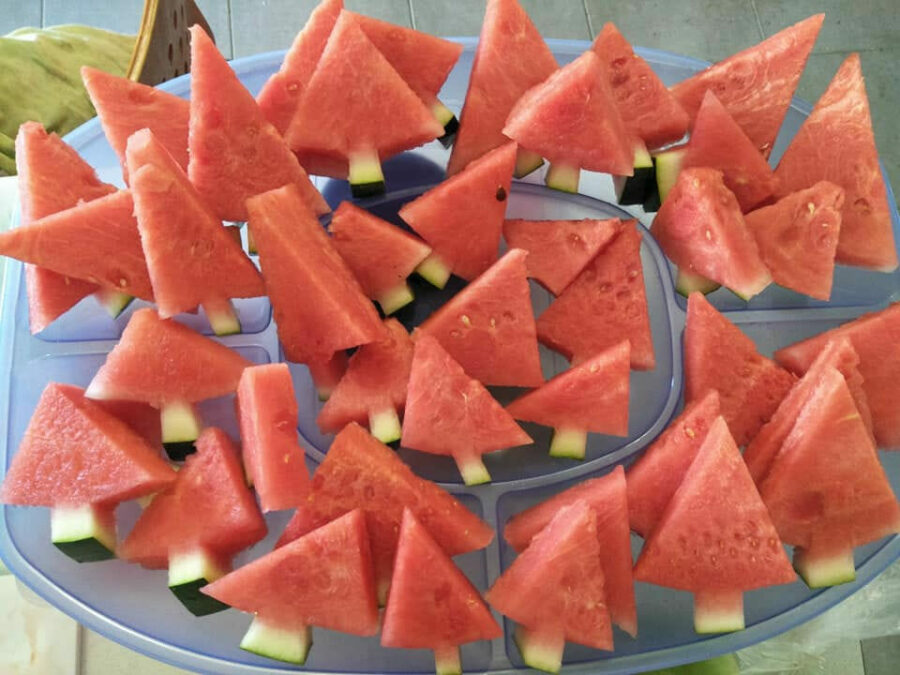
462 218
380 255
607 497
571 119
559 249
379 114
208 506
605 304
798 236
373 390
125 106
718 142
701 229
650 112
511 58
273 456
450 413
327 372
489 328
97 241
158 361
281 93
322 579
655 477
359 472
875 338
141 417
439 610
756 85
318 305
717 355
836 144
75 453
235 152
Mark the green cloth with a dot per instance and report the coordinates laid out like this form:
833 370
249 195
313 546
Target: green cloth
721 665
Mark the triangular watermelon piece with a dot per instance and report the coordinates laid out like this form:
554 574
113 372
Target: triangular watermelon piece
359 472
69 242
572 120
867 235
235 152
450 413
373 390
650 112
591 396
655 477
356 108
281 93
701 229
555 590
559 249
716 538
462 218
798 236
826 489
380 255
440 610
717 355
718 142
607 497
606 304
318 305
74 453
511 58
125 106
756 85
488 327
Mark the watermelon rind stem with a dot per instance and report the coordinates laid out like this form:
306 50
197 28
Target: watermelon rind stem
636 188
668 166
385 425
686 283
222 317
396 298
542 652
282 644
527 162
434 270
568 443
188 573
181 426
446 660
366 177
114 302
82 533
563 177
251 243
819 571
145 500
473 470
446 119
718 611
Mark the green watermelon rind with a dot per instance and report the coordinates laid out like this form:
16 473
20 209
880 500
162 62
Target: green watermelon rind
539 652
82 533
832 570
188 573
281 644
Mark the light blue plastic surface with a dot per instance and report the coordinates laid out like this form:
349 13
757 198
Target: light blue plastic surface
133 606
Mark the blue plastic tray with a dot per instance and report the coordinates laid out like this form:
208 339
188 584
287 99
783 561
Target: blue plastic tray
133 606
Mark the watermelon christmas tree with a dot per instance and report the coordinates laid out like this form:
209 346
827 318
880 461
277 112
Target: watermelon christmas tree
440 610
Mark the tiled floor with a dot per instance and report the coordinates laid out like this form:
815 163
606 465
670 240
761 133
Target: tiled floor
709 29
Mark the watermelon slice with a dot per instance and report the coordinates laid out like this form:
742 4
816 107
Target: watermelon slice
867 235
281 93
191 258
462 218
875 337
322 579
715 538
826 489
380 255
655 477
488 327
440 610
605 304
195 526
572 120
700 228
592 396
450 413
717 355
373 391
559 249
798 236
555 590
318 305
274 460
378 114
607 497
756 85
125 106
650 112
359 472
235 152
